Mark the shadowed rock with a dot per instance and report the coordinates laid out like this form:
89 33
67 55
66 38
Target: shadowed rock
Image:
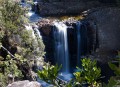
106 21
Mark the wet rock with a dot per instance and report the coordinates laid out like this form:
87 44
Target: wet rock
46 30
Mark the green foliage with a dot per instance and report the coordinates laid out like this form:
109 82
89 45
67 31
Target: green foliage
111 83
11 15
12 68
90 70
11 25
49 73
79 79
71 83
114 80
3 80
115 68
89 73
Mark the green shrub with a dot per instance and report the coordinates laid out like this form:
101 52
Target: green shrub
3 82
12 17
114 80
89 72
49 73
111 83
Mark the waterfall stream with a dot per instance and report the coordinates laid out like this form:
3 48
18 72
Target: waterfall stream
33 17
78 27
61 46
61 50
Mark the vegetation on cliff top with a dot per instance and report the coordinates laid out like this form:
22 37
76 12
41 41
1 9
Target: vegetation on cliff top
18 53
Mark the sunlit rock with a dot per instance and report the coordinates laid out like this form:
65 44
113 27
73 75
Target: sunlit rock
25 83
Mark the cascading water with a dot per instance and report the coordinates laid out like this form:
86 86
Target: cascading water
29 28
61 46
78 27
33 17
37 32
35 6
34 32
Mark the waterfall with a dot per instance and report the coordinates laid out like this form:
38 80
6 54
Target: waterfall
35 6
32 18
61 46
36 30
78 27
30 29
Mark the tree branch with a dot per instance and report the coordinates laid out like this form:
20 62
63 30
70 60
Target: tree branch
7 51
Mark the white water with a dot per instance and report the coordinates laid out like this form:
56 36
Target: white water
61 46
37 31
78 27
33 17
29 29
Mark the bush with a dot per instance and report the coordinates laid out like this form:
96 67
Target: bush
114 80
49 73
89 72
17 58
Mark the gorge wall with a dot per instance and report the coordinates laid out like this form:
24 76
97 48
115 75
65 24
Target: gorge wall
107 24
65 8
70 7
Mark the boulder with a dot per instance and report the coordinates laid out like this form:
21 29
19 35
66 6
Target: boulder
25 83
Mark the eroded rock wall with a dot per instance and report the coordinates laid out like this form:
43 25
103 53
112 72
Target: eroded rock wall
107 24
65 8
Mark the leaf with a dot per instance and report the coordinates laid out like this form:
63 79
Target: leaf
115 68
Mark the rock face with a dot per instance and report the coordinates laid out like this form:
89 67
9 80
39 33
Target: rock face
46 30
65 8
106 22
70 7
25 83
